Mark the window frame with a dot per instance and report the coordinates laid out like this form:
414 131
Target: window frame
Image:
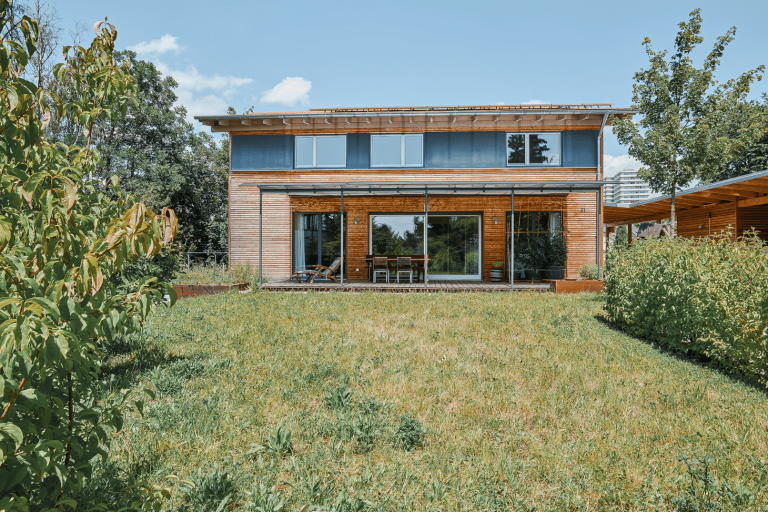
314 151
527 149
402 149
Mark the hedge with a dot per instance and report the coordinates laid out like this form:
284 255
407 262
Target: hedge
705 296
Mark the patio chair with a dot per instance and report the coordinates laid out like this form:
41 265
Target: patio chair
318 271
380 265
404 266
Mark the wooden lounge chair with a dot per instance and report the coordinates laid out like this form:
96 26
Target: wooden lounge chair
318 271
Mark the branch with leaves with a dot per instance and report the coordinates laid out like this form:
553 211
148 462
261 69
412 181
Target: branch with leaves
61 238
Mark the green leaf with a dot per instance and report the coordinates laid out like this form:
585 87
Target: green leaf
12 431
50 308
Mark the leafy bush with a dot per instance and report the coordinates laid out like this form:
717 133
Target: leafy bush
164 266
62 239
588 272
410 433
704 297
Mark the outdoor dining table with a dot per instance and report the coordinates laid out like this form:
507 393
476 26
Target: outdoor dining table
393 259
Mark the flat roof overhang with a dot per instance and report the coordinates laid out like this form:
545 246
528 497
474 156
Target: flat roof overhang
745 191
326 118
420 188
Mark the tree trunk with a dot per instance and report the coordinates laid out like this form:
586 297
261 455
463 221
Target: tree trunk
672 223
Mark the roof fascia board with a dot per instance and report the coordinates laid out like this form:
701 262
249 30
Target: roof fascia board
463 113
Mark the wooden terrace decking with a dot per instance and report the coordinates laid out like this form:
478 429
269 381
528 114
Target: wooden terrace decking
433 286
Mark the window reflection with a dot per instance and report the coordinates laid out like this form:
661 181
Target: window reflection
316 239
516 149
544 148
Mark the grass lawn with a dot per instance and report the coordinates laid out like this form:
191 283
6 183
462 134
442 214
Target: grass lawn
433 402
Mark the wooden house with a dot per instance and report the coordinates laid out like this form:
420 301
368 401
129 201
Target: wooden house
454 183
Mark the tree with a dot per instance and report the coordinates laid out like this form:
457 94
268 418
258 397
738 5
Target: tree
755 158
683 132
158 156
62 237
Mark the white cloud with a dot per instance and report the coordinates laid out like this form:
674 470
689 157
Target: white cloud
291 92
167 43
614 164
192 83
501 103
535 102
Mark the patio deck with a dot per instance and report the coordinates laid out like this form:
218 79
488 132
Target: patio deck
286 285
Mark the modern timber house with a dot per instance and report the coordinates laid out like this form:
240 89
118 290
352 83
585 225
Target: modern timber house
451 183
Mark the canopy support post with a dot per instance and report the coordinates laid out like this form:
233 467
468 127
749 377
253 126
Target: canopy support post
599 234
426 220
260 237
342 237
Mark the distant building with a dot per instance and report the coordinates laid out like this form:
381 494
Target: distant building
630 189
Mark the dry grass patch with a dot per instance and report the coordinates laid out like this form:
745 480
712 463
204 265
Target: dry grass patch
525 400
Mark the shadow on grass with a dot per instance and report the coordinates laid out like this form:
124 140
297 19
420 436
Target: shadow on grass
695 359
126 360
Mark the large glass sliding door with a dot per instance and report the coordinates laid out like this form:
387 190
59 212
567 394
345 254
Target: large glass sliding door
316 239
454 242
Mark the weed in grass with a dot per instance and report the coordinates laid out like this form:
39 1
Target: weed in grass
262 498
278 444
321 372
706 493
410 433
209 492
165 382
311 487
339 399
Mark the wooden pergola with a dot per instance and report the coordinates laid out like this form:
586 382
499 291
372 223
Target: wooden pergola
719 198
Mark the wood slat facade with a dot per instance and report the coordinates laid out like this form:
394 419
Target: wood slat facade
579 214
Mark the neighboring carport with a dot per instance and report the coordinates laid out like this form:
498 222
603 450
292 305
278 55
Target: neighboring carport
738 204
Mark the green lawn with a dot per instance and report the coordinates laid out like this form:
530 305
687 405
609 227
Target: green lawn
527 400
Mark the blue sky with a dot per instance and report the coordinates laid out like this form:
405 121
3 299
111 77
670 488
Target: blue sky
281 55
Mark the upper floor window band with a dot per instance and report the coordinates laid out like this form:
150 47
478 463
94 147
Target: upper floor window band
321 151
533 149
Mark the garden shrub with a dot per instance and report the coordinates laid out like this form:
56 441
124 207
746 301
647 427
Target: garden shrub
588 272
700 296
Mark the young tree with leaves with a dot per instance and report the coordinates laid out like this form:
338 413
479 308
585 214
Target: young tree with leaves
684 129
61 239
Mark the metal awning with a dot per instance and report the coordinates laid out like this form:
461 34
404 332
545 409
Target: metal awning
419 188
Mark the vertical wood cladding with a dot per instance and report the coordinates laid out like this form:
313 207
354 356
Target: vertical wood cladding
578 217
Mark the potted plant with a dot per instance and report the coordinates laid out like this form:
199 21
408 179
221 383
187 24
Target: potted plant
497 272
557 251
537 255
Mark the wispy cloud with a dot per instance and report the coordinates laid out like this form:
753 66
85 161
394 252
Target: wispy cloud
193 85
535 102
614 164
167 43
290 92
